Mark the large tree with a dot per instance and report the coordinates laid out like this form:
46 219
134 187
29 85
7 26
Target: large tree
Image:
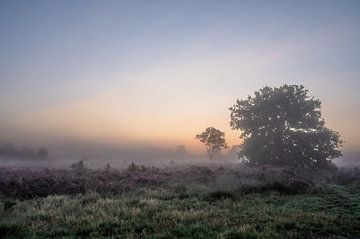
284 126
213 139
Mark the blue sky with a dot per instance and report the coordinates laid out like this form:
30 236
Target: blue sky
158 72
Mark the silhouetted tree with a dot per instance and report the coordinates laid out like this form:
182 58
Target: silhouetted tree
283 126
43 152
213 139
180 151
8 149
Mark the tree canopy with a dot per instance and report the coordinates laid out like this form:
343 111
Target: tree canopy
284 126
213 139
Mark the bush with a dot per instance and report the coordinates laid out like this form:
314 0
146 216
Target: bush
220 195
26 184
136 168
79 167
227 183
347 176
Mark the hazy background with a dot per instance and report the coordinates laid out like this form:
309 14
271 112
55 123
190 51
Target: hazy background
103 78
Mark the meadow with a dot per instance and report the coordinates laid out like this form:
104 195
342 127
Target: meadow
189 201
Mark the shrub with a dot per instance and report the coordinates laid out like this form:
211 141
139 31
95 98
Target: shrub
220 195
227 183
79 167
136 168
27 184
347 176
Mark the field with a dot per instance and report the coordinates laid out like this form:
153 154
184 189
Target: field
179 202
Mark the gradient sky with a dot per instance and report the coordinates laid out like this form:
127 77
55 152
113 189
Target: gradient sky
158 72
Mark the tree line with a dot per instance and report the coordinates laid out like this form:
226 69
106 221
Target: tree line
9 151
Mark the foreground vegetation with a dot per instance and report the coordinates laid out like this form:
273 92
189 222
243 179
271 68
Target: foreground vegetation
188 202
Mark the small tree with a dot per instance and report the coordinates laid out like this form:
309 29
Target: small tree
283 126
213 139
180 151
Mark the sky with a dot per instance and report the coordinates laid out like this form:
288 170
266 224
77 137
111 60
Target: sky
156 73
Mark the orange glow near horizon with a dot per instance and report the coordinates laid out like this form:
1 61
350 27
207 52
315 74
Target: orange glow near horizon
120 73
110 120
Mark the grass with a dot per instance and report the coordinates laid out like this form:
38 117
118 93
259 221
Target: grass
219 205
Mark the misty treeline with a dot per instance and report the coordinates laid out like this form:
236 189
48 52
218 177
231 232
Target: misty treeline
280 126
9 151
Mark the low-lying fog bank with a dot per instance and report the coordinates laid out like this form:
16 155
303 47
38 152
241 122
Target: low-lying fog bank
348 160
118 163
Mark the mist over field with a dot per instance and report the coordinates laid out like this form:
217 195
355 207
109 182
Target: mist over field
179 119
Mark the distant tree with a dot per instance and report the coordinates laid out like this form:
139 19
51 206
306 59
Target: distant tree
213 139
283 126
43 152
180 151
8 149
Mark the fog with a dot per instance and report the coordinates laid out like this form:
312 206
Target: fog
98 155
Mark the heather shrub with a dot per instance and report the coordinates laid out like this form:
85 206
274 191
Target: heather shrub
79 167
249 185
229 186
133 167
27 184
226 183
257 180
180 189
285 180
